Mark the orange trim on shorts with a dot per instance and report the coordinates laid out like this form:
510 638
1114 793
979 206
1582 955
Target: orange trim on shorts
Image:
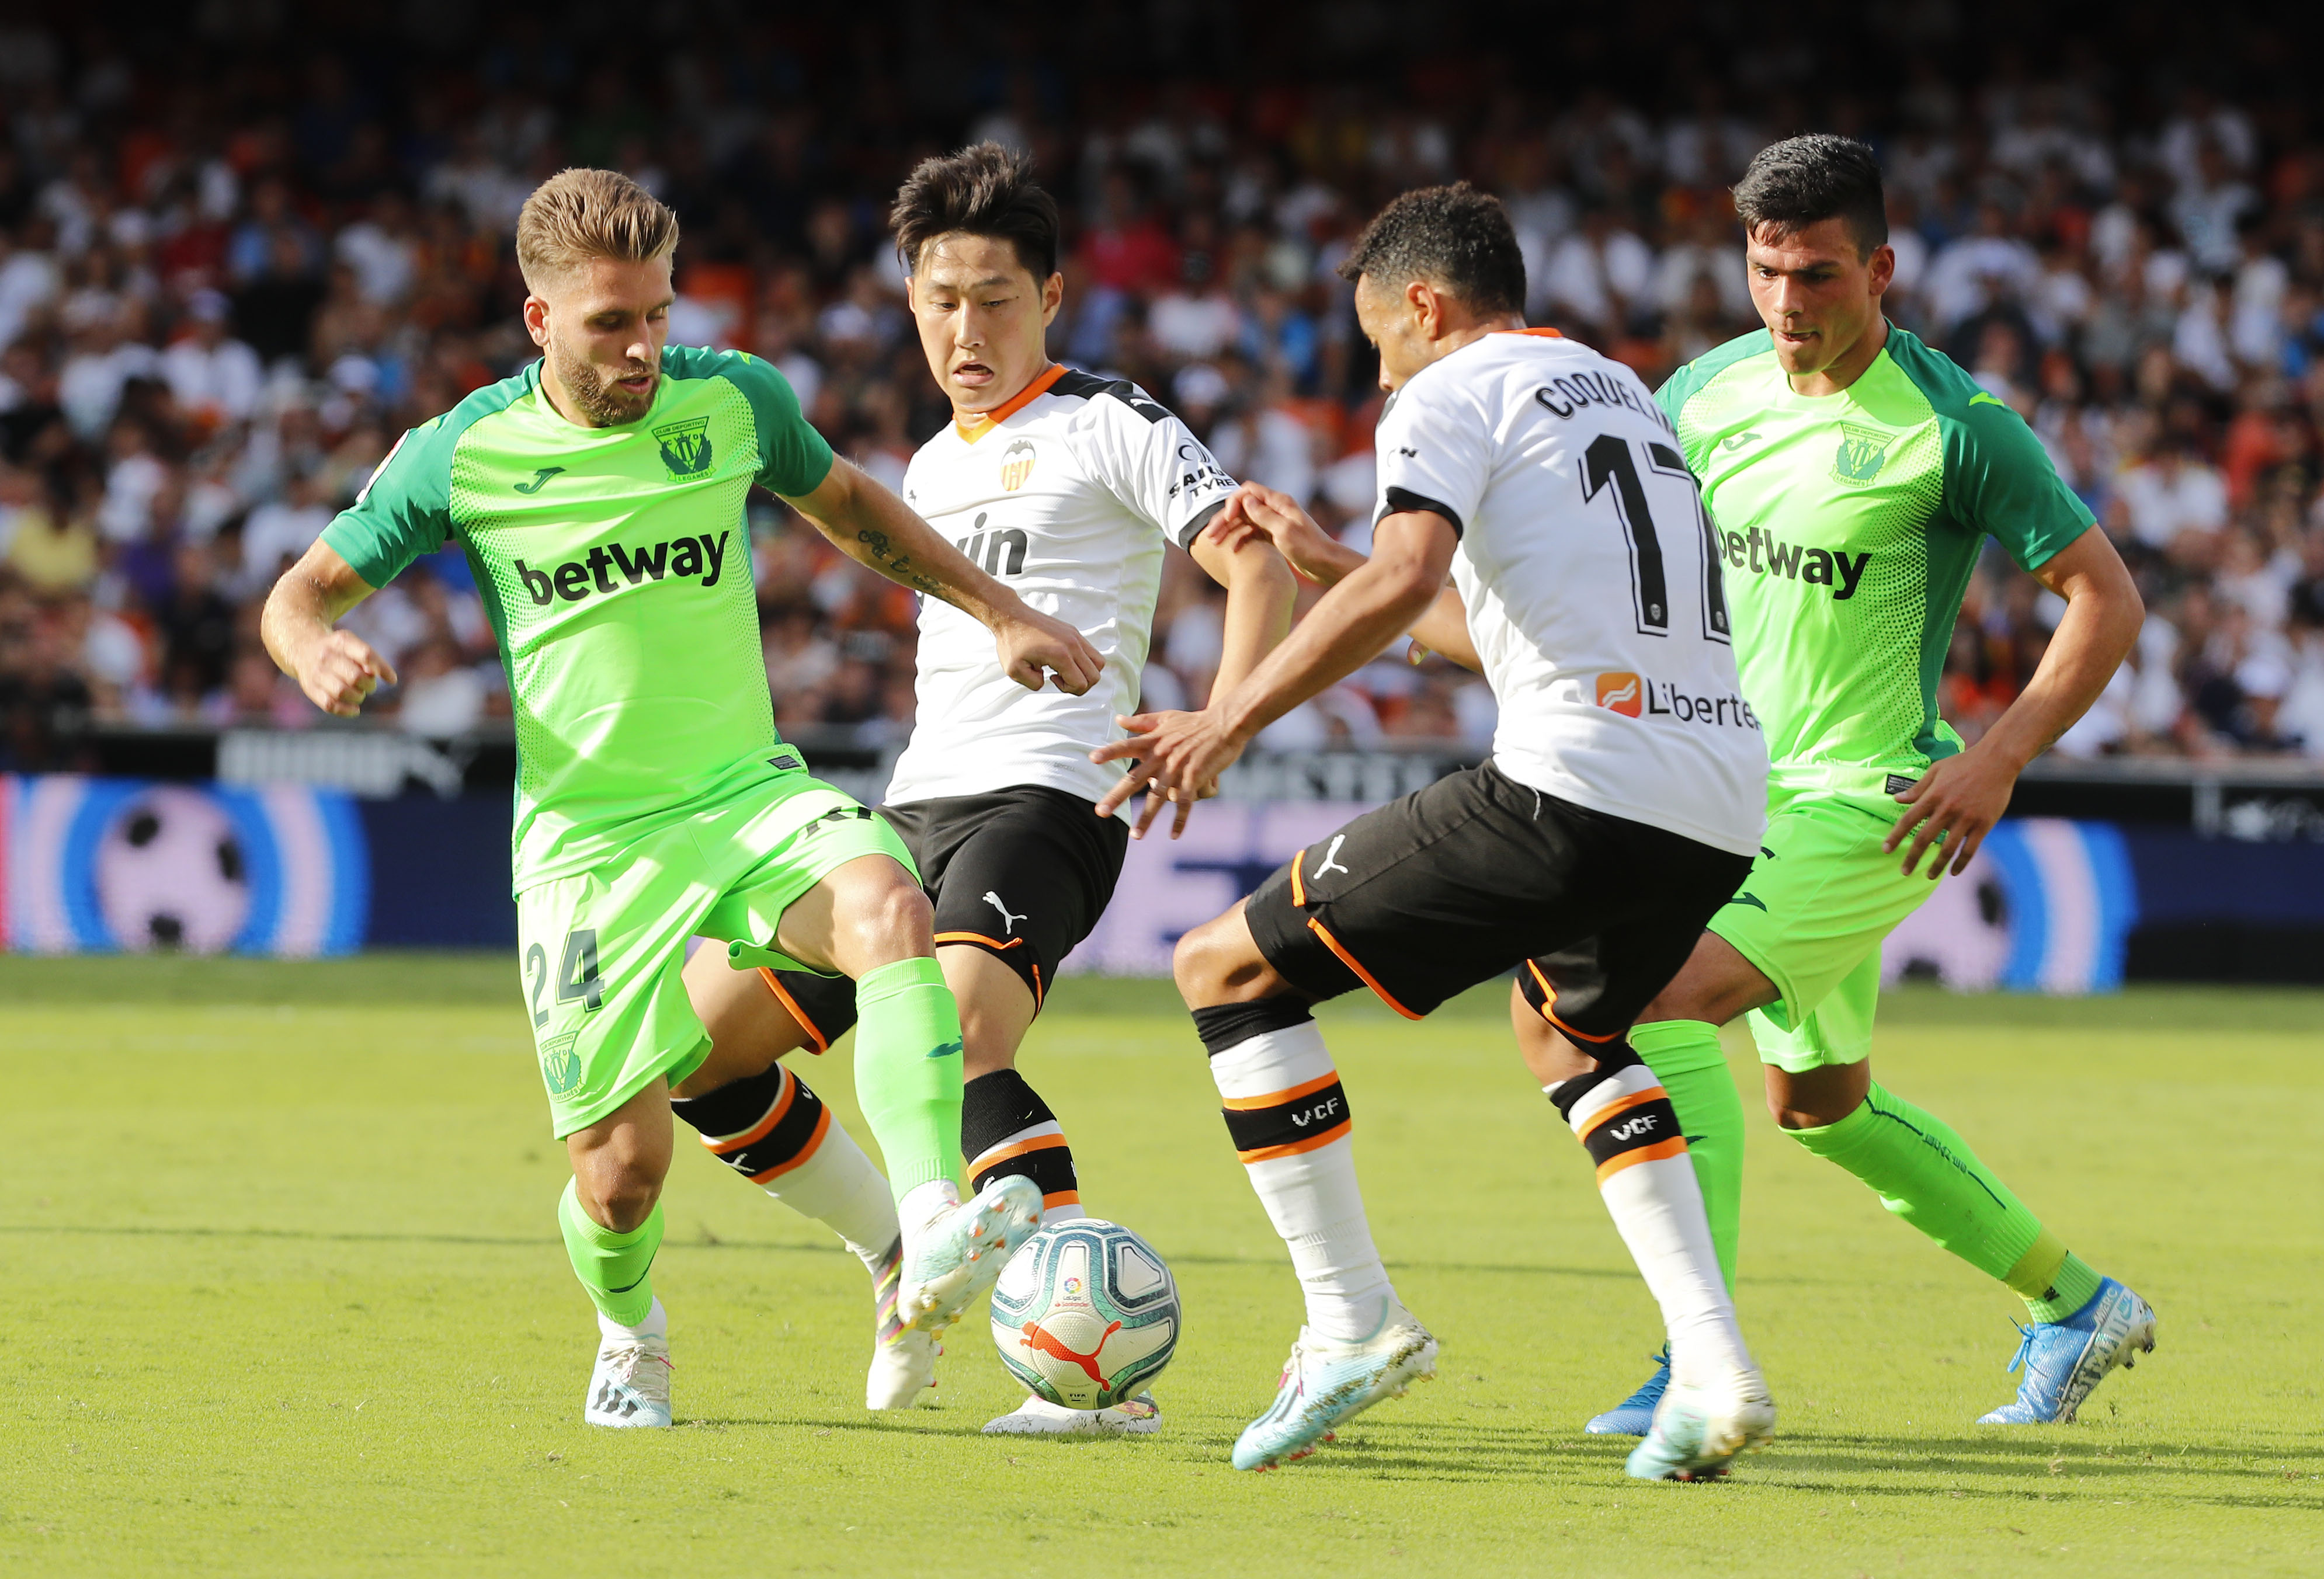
1275 1098
814 1032
1292 1149
1002 1154
985 422
1298 888
758 1131
1038 994
993 944
1674 1147
1362 975
1550 992
1616 1109
814 1143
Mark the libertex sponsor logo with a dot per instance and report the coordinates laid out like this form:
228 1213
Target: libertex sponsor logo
679 559
1636 695
1762 552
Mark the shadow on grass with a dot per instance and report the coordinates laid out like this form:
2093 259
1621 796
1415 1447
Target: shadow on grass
2007 1466
344 1236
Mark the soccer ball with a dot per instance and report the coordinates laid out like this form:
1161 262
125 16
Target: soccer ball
1085 1314
171 874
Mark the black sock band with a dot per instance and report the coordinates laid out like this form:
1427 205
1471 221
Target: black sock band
762 1126
1612 1058
1224 1025
995 1112
994 1106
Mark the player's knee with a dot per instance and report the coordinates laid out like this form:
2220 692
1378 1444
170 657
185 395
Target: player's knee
1218 963
1193 965
892 920
617 1197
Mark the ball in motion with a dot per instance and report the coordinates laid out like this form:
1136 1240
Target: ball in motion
1085 1314
171 874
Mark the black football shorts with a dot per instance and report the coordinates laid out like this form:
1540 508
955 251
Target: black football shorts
1477 874
1022 873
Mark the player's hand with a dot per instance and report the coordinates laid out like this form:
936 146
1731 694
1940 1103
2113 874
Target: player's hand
1255 509
340 670
1957 801
1179 756
1034 646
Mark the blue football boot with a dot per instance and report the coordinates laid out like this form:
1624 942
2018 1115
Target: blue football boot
1634 1415
2063 1360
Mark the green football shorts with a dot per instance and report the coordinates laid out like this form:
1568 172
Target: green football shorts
1812 917
602 952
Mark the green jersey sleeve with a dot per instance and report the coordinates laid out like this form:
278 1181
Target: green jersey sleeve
793 458
1998 478
405 511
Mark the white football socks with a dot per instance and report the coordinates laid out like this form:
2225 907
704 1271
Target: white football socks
836 1185
655 1324
1648 1181
1283 1082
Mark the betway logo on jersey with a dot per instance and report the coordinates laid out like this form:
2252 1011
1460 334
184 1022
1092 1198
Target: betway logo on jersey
576 579
1636 695
1763 553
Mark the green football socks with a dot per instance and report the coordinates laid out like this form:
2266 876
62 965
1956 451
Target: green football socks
908 1071
1686 1058
613 1267
1927 1175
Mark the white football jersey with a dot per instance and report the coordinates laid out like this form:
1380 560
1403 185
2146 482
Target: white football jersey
1593 593
1065 493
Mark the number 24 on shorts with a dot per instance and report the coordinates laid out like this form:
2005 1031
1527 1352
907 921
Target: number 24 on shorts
577 974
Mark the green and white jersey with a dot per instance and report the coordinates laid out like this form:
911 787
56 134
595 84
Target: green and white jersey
1851 524
615 565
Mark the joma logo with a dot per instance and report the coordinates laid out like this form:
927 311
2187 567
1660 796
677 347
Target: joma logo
576 579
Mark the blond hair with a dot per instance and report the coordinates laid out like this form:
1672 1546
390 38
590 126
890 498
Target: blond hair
578 215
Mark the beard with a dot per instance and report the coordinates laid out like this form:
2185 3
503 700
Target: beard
593 389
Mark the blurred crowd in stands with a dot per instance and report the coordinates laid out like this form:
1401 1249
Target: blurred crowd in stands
238 260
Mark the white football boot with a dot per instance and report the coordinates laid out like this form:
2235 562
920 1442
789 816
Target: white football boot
631 1385
903 1362
1700 1425
1325 1382
955 1255
1037 1417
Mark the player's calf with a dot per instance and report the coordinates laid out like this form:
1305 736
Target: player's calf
773 1130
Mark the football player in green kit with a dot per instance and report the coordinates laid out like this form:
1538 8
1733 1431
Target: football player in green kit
599 496
1852 474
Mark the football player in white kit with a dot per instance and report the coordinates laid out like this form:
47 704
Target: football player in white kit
1622 806
1066 486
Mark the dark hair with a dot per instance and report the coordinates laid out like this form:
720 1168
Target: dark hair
984 189
1455 236
1804 181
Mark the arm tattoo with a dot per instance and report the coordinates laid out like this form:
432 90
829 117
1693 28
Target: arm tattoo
901 567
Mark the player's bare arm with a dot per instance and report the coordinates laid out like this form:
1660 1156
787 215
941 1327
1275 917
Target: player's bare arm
337 669
1959 798
1257 511
874 526
1371 605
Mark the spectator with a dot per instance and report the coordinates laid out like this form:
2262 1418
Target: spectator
215 378
224 292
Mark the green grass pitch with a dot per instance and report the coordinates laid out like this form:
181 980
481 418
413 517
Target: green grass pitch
283 1294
